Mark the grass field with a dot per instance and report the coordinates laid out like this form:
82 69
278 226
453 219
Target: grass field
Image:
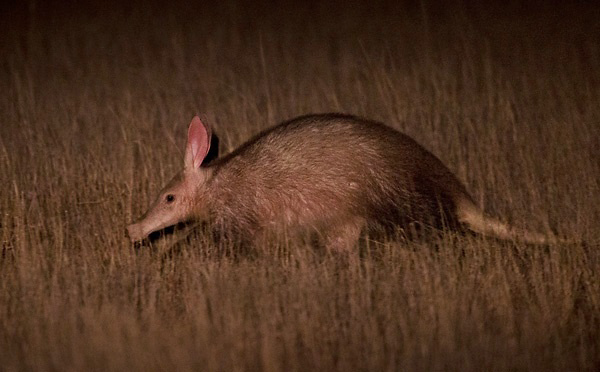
94 106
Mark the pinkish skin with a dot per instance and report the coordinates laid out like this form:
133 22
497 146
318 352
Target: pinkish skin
174 203
306 172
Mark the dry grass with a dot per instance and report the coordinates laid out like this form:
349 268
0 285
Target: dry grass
93 111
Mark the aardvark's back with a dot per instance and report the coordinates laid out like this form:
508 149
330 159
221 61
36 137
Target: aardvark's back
336 173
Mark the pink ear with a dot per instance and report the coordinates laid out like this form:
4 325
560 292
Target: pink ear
198 143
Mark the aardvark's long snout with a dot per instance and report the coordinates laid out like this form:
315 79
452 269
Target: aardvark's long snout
136 232
149 223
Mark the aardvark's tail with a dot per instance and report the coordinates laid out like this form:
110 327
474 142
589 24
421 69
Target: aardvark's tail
474 218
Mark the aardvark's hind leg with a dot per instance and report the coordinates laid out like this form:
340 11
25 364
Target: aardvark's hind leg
342 236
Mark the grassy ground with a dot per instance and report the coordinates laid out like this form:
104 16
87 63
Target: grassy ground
94 105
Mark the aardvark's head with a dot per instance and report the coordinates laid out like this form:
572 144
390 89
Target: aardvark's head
181 199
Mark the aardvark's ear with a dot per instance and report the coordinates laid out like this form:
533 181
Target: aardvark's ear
198 144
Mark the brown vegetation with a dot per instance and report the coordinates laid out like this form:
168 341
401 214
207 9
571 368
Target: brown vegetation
94 104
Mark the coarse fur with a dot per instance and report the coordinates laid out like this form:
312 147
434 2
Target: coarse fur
336 174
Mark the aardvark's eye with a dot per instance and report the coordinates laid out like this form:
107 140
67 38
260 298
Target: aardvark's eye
170 198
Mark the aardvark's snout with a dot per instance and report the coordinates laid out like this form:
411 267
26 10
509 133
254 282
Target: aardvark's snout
135 232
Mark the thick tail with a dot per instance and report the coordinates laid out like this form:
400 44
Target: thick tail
474 218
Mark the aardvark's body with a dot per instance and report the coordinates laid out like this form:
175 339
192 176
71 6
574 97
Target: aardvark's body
337 174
